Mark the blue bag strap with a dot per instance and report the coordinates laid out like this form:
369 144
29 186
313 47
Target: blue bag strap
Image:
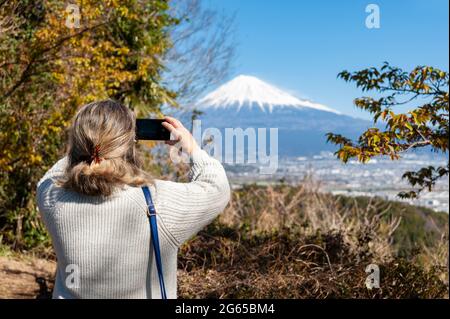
151 213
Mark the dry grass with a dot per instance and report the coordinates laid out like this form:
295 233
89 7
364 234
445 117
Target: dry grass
294 242
221 264
307 210
286 242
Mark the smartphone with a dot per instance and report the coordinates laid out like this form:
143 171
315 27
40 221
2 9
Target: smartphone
151 129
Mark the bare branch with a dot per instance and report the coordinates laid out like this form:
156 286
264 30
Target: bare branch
202 52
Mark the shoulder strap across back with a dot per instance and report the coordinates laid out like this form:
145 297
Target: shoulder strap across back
151 213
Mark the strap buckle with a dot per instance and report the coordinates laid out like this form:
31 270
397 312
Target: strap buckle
149 213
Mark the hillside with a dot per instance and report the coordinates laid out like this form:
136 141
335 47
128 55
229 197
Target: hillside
292 242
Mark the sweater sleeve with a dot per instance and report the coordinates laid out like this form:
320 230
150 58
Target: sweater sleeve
47 194
55 171
185 208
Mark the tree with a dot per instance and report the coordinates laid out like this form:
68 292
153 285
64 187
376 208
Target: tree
426 126
47 70
201 56
202 52
146 54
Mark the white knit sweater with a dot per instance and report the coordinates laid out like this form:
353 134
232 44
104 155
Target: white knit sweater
103 244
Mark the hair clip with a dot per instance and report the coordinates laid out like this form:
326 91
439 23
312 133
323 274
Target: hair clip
96 157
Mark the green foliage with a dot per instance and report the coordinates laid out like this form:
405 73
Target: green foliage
426 125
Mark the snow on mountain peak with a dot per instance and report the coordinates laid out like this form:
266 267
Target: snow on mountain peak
249 90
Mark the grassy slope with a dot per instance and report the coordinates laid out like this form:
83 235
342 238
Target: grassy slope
292 242
318 251
419 225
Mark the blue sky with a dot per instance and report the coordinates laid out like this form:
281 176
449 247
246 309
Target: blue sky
301 46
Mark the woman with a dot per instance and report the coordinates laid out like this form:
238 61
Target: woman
94 208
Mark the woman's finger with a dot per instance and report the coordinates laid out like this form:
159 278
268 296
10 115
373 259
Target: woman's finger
178 122
175 123
169 126
173 131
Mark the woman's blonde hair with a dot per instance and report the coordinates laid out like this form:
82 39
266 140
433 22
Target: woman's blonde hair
102 150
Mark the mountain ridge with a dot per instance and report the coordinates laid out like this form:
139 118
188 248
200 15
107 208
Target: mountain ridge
248 91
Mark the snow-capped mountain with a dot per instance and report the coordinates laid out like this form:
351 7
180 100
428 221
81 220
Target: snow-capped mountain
245 90
248 102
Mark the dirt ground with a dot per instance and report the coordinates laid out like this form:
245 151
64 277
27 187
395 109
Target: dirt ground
25 278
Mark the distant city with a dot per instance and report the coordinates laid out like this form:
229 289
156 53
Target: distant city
379 177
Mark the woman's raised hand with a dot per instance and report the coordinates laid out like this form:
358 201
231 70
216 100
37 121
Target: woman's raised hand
180 134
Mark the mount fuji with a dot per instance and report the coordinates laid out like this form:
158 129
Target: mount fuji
248 102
